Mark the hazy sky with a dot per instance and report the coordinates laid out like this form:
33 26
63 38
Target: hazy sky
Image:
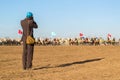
67 18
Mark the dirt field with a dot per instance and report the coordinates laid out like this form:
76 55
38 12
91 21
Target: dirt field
62 63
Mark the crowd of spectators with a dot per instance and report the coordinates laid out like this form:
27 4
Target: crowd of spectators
64 41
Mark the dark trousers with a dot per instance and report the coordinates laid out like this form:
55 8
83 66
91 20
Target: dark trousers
27 56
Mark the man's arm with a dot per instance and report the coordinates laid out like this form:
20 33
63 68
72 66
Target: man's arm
33 24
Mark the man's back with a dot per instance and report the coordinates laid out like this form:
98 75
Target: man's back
27 26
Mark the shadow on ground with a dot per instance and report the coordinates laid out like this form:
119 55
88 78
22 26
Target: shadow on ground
69 64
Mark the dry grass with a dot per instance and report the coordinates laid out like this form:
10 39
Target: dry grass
62 63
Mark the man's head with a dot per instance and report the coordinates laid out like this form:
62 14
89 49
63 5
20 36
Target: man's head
29 15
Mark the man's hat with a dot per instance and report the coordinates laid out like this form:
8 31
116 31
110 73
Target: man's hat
29 14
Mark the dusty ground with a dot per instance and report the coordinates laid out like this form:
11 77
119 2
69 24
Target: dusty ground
62 63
